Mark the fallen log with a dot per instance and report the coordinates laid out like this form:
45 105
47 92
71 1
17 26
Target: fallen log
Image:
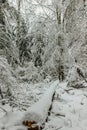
39 111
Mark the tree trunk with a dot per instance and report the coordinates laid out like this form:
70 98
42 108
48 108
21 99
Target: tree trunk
2 21
18 23
1 93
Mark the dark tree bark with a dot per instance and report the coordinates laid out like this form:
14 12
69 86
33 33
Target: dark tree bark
2 21
3 1
1 93
61 73
80 73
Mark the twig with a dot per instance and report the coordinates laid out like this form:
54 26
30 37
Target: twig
67 90
60 115
4 110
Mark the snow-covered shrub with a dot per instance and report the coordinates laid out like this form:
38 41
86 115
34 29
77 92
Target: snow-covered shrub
7 80
75 75
29 73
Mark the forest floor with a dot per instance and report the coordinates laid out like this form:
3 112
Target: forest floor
69 107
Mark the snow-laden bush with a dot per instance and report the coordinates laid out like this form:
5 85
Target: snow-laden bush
7 80
74 77
29 73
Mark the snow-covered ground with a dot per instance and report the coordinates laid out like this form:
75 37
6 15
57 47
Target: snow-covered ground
68 109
